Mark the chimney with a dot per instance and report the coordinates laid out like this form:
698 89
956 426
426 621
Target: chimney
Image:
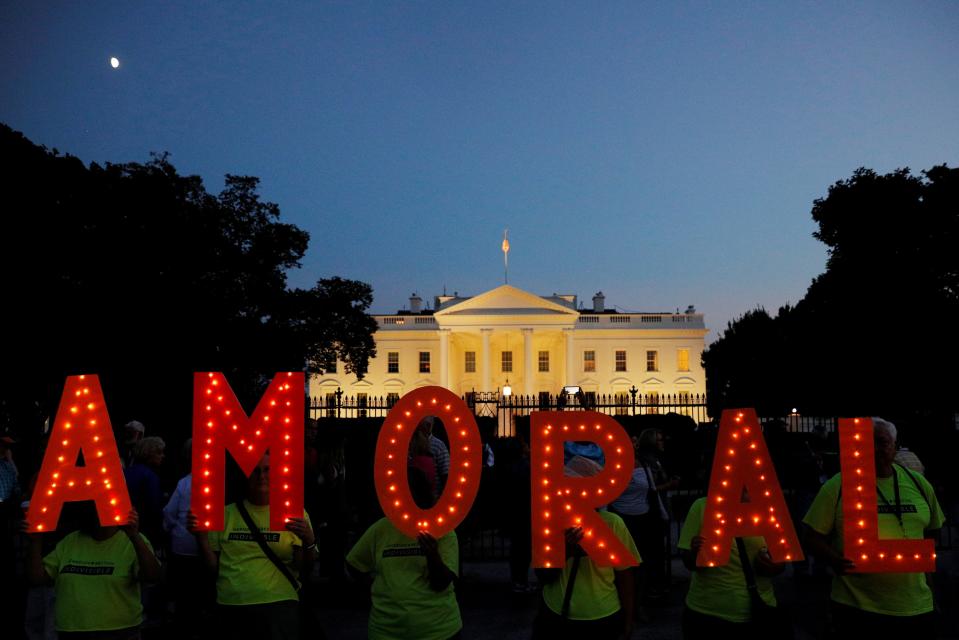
599 302
416 304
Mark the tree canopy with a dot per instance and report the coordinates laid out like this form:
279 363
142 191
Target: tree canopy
138 273
875 331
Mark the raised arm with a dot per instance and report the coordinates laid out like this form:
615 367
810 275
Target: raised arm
440 576
149 565
209 557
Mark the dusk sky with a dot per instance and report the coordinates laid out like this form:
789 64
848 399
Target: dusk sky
665 153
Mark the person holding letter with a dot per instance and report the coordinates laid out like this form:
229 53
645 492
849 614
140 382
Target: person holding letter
878 605
258 594
96 573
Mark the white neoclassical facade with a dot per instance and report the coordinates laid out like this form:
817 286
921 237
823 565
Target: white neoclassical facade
534 344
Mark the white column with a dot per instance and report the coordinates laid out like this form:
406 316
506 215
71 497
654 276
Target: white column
487 383
445 358
571 376
528 361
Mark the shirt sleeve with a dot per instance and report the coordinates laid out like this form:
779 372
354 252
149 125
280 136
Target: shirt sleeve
51 562
136 561
362 556
821 516
172 508
936 516
442 456
691 525
619 528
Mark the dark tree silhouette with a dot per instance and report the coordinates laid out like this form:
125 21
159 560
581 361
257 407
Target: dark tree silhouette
139 274
876 331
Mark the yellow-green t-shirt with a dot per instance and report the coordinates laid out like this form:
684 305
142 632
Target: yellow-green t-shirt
721 591
246 575
96 581
404 605
594 591
895 594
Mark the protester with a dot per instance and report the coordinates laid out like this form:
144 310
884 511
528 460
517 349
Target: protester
421 455
133 432
96 572
642 510
412 580
723 600
258 596
143 484
878 605
518 518
584 600
441 455
650 450
190 588
9 516
334 507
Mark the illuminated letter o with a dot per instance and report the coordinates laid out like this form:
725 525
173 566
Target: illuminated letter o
390 469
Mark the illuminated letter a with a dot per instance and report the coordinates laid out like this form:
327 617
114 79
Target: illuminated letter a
82 427
742 462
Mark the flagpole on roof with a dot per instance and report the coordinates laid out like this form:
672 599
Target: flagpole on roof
506 256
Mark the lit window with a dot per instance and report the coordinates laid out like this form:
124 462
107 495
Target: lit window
470 361
393 362
682 360
621 361
652 361
544 361
589 361
507 362
424 361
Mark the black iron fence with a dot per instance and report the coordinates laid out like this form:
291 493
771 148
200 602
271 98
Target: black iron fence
506 409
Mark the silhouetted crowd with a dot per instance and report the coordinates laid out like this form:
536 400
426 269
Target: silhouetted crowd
157 575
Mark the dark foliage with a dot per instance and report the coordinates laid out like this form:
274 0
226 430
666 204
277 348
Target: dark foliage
875 333
137 273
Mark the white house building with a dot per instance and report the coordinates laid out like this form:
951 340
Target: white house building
534 344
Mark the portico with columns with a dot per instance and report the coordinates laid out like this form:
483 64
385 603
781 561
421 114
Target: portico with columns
535 344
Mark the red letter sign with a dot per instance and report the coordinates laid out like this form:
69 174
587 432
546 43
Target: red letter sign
561 502
220 424
82 426
742 462
392 446
860 512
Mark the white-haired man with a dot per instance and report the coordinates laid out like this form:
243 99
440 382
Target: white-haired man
879 605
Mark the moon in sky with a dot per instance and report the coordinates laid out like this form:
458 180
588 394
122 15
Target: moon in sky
114 62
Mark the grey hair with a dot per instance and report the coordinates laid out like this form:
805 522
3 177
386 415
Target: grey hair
878 424
147 447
